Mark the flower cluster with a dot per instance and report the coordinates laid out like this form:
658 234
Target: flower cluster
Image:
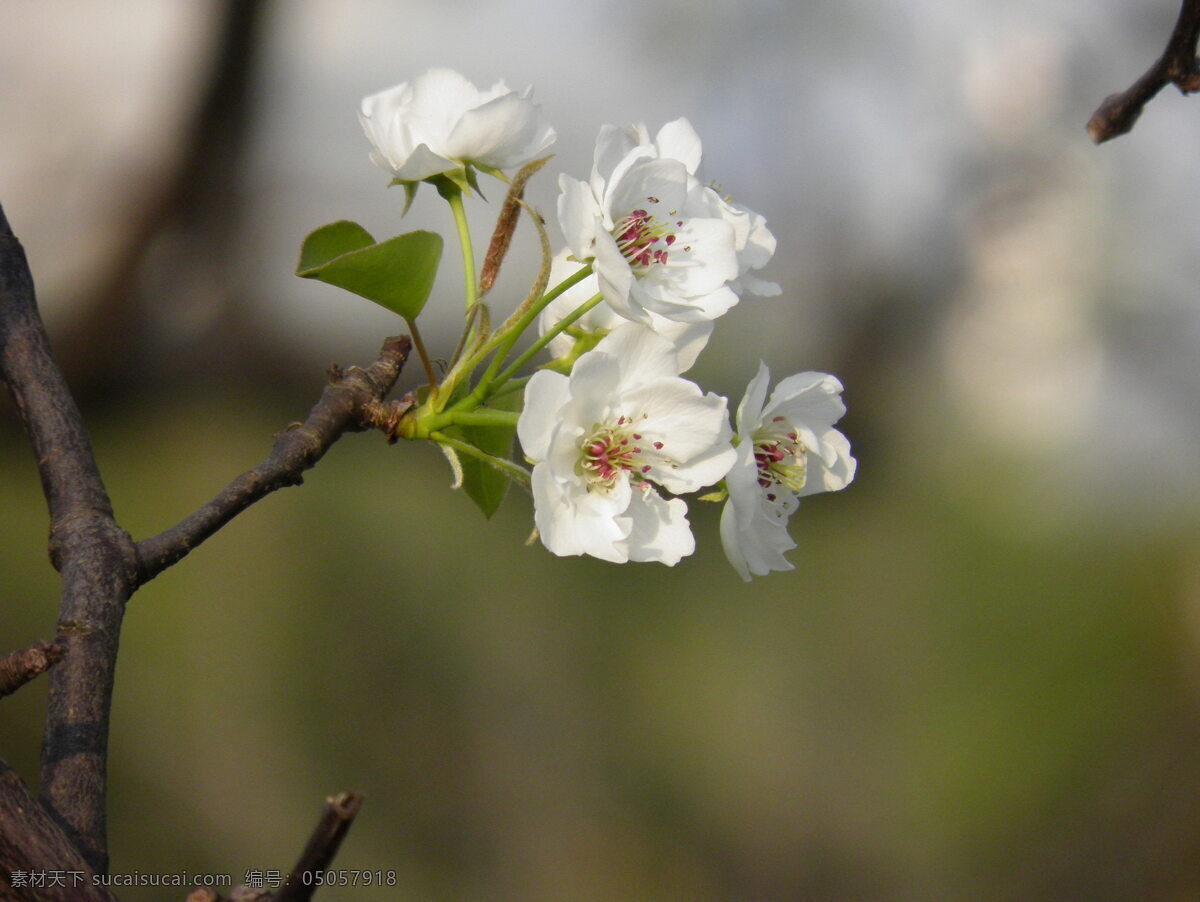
614 432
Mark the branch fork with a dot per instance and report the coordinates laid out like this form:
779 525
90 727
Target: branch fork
101 567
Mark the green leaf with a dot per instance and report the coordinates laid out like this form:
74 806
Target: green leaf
397 274
486 485
330 241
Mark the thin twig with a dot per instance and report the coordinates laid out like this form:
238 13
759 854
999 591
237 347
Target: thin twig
19 667
92 554
1117 113
296 450
336 819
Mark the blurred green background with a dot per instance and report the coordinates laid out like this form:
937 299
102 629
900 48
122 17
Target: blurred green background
981 680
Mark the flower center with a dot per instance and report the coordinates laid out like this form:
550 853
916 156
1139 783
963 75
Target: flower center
643 239
612 450
780 456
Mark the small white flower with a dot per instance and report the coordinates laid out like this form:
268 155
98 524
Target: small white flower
688 339
786 450
677 140
442 123
659 240
601 439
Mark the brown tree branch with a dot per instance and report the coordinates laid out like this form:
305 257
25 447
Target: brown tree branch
1117 113
31 841
94 557
19 667
101 567
335 821
296 449
303 880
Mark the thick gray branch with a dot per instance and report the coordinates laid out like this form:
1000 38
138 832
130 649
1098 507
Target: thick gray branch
31 841
93 555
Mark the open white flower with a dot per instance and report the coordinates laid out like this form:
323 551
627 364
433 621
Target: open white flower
786 450
604 437
688 339
659 240
442 123
677 140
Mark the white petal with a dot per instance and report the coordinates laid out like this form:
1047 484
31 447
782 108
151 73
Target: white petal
755 548
689 339
703 258
679 141
546 394
612 146
571 521
504 133
753 538
657 186
578 216
615 278
832 471
695 309
749 412
692 429
809 400
421 164
660 529
644 356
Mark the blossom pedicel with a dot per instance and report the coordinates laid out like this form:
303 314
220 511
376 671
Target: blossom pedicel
654 256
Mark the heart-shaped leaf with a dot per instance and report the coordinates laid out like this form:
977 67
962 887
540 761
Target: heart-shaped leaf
397 274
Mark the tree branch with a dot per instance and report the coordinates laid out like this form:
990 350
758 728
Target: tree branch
301 883
93 555
297 449
32 840
336 819
1117 114
19 667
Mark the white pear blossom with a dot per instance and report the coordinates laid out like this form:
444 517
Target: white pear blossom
677 140
688 339
441 123
603 438
658 239
786 450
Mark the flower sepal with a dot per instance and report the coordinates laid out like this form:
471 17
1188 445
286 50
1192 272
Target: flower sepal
717 495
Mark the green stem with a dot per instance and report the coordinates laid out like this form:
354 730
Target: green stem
454 196
517 474
548 337
430 372
483 417
506 336
508 388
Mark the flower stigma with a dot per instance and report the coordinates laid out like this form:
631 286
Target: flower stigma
643 239
780 456
612 450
